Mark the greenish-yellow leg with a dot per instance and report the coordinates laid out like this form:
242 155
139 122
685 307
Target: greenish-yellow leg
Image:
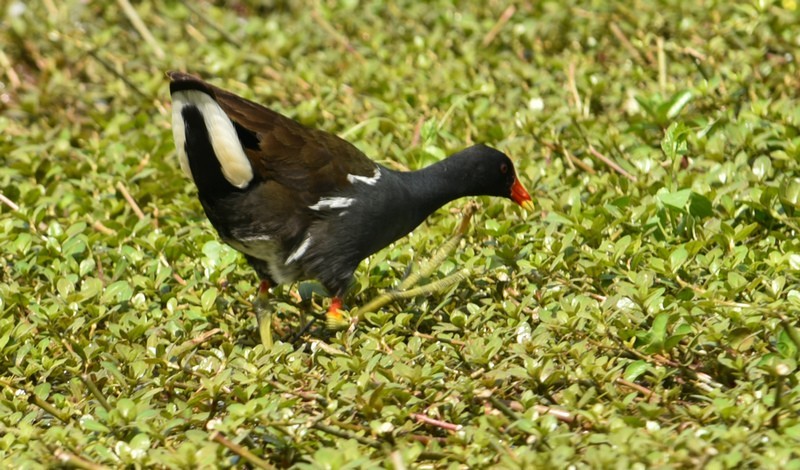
407 289
264 314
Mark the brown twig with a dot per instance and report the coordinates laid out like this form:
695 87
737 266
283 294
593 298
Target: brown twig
175 275
13 77
131 202
97 225
578 162
72 460
649 394
611 164
561 415
195 33
498 26
178 351
417 132
435 422
211 24
241 451
8 202
694 53
598 297
626 43
141 28
573 88
337 36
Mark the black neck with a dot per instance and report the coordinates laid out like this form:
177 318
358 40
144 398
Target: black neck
434 186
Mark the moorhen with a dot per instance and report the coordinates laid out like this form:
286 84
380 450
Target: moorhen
301 203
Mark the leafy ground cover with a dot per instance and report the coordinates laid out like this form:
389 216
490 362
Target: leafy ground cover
645 316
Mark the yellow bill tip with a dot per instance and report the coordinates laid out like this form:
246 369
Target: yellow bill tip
527 205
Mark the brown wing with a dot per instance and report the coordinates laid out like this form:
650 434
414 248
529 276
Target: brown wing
294 167
302 159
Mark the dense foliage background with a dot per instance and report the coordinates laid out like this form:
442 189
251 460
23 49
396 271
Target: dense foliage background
646 314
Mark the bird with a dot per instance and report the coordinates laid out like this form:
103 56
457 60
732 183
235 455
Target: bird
302 203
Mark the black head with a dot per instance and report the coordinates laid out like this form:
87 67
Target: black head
489 172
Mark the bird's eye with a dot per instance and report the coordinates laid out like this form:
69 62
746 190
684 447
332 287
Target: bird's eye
503 168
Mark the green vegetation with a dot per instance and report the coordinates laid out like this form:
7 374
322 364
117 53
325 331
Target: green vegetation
646 315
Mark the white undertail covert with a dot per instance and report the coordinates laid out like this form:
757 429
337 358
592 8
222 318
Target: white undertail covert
234 163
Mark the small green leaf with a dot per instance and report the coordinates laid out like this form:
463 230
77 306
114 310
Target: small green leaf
700 206
42 390
64 287
435 152
92 425
634 370
789 194
736 280
86 266
119 291
73 246
786 344
90 287
140 441
676 200
208 298
678 257
126 408
678 102
659 329
75 229
762 167
793 296
674 142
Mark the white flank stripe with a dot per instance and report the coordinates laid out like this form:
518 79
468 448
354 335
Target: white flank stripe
257 238
179 135
227 147
353 179
299 251
332 203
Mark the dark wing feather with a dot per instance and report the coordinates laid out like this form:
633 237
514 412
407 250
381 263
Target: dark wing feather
298 157
294 167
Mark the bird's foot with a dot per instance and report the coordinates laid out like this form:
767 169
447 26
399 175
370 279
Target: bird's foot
336 318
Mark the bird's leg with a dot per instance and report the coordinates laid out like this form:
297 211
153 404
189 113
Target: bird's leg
407 289
264 313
